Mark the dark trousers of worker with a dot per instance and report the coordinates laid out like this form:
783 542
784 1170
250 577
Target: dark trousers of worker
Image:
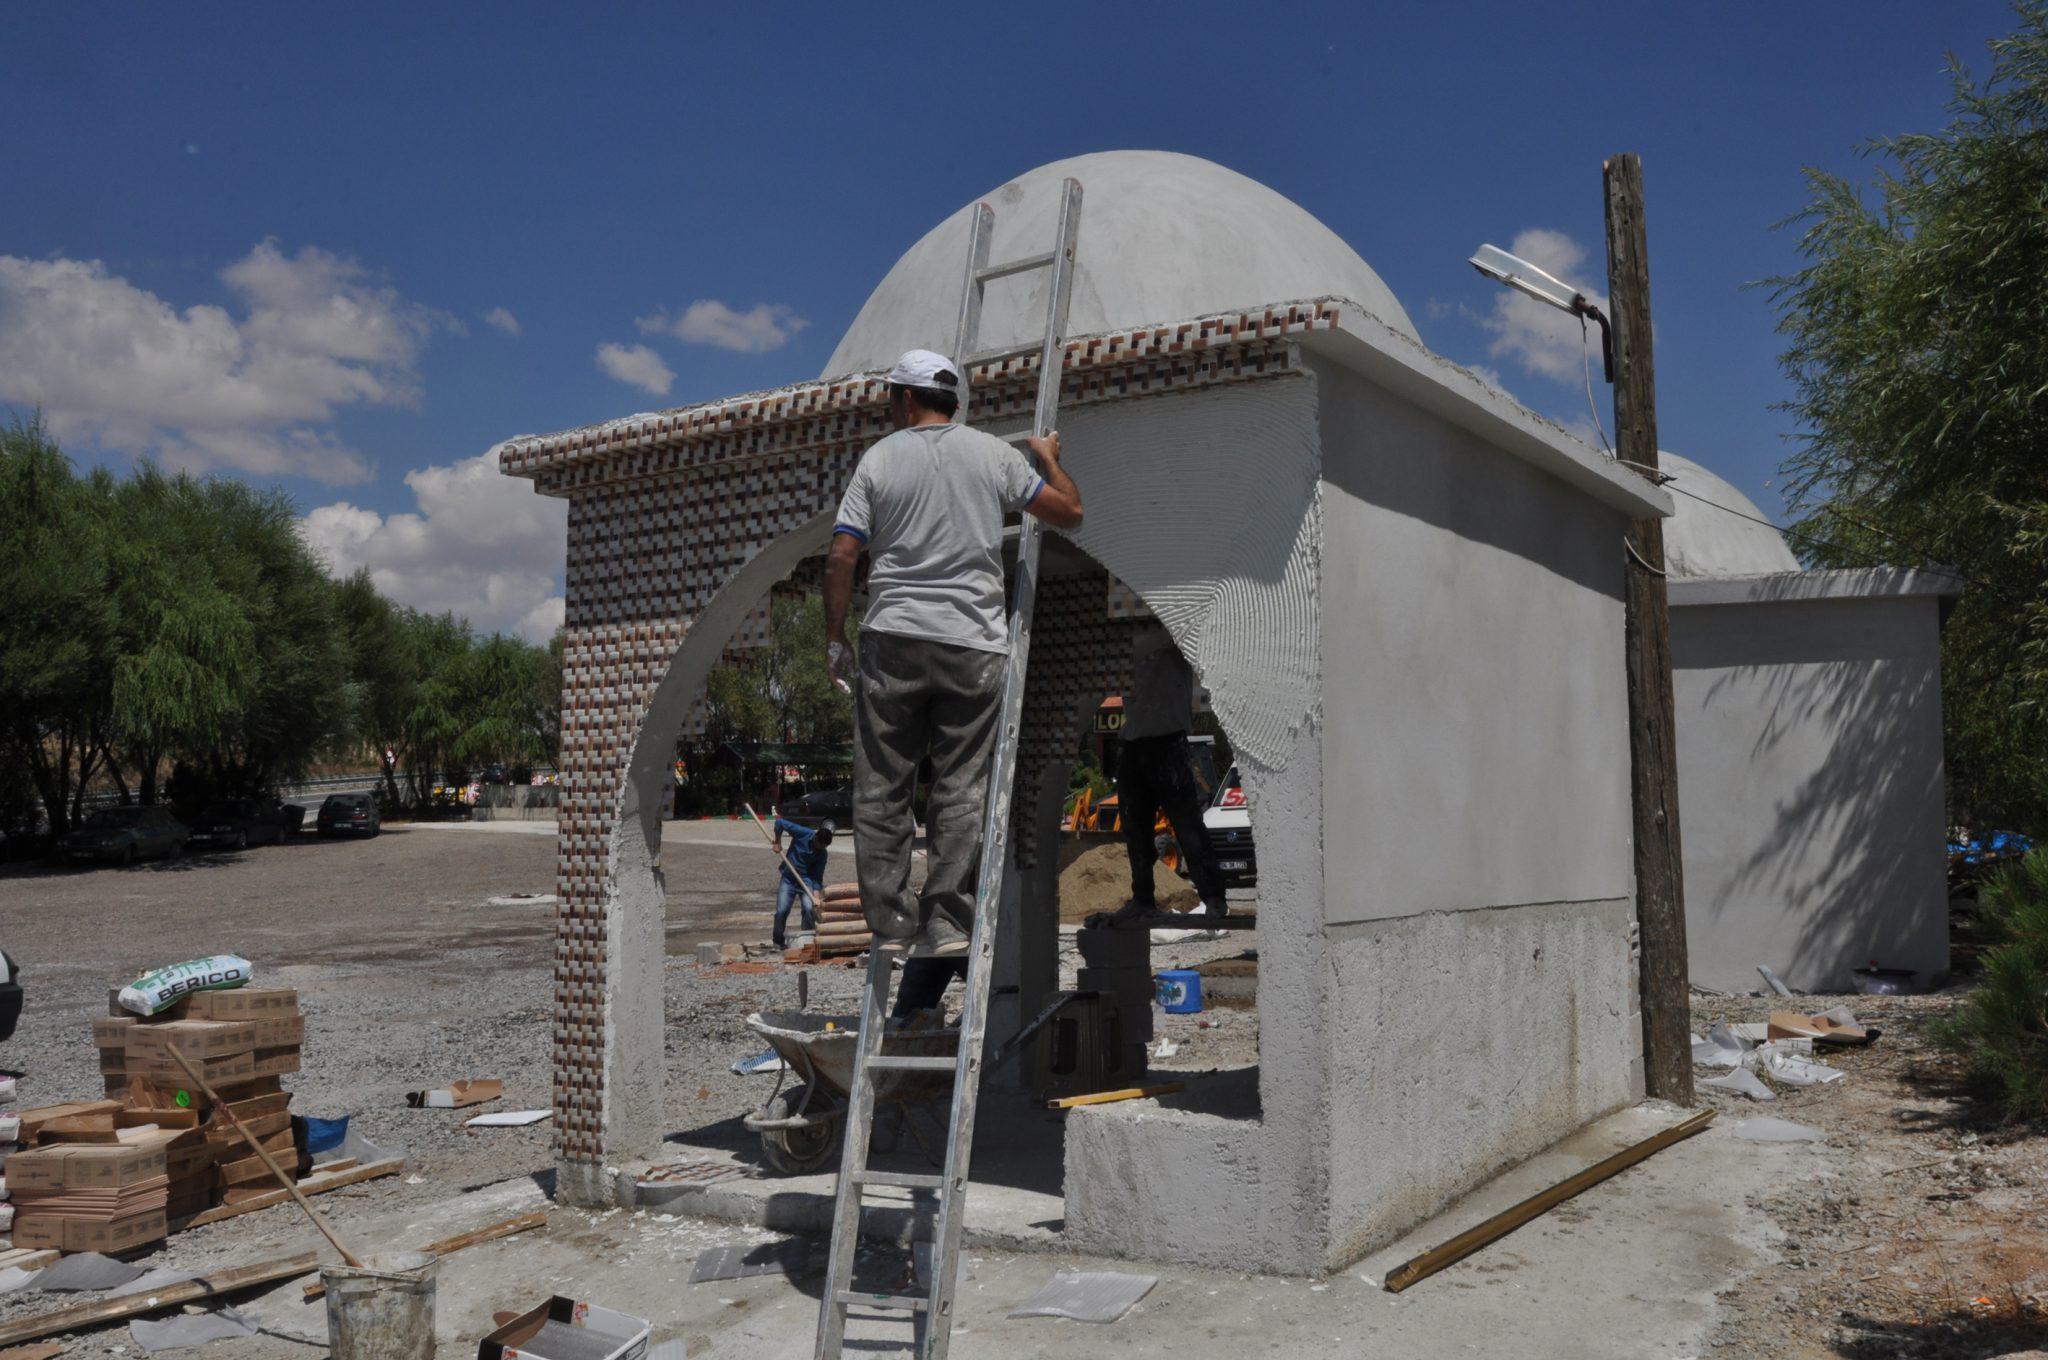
924 984
919 700
1155 774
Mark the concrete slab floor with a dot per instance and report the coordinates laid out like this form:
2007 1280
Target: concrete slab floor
1627 1270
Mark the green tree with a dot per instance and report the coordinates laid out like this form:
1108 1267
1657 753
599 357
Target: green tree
1921 387
56 642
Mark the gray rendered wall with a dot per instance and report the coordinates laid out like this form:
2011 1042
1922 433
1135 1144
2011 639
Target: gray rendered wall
1810 787
1479 984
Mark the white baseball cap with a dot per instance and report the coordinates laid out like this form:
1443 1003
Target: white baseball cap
923 368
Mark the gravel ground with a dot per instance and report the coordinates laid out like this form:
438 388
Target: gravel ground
1929 1237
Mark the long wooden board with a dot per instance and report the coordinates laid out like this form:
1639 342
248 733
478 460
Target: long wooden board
114 1310
28 1258
312 1185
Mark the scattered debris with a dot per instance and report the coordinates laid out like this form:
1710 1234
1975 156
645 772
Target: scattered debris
456 1095
92 1314
525 900
1086 1295
1719 1049
510 1227
771 1061
189 1329
567 1329
507 1119
1790 1068
1764 1129
1777 983
1505 1222
1167 1049
1837 1026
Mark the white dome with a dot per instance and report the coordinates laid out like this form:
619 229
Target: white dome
1701 538
1164 237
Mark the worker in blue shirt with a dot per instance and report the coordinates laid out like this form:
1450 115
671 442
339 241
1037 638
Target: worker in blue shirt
808 847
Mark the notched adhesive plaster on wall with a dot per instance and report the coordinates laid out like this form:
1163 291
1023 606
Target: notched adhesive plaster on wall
1207 505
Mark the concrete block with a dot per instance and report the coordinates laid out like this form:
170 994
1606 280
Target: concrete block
1115 949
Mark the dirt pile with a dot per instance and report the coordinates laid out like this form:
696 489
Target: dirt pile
1097 877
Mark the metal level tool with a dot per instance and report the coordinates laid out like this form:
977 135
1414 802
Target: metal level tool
931 1313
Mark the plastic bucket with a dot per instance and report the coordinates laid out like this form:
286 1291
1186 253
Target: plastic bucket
1179 991
383 1310
324 1135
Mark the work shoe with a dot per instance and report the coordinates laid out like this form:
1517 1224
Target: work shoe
940 939
1215 910
1130 913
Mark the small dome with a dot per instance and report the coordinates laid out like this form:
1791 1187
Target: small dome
1703 539
1164 237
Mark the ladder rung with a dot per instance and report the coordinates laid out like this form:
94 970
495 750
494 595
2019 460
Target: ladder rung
909 1303
902 1180
1002 271
890 1062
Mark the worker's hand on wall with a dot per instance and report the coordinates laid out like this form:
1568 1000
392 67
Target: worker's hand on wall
1046 446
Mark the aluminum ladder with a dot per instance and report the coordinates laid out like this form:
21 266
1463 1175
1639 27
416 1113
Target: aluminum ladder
931 1313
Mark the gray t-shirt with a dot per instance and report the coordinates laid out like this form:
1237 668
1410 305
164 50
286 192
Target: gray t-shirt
929 504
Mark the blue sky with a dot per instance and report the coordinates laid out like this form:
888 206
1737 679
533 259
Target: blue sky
268 239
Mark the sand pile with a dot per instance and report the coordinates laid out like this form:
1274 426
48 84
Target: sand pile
1097 877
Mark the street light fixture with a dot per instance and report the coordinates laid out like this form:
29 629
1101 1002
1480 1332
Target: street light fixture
1519 274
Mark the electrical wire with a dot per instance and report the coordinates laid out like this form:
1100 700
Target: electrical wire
1586 355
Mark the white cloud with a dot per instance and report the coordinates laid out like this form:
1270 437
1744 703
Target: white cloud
763 327
503 319
1536 336
116 365
637 365
481 544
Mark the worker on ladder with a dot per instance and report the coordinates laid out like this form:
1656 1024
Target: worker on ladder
927 504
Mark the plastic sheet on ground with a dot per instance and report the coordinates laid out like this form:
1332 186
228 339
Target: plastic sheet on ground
1791 1068
14 1278
161 1278
1743 1082
1719 1049
87 1270
189 1329
1765 1129
736 1263
1086 1295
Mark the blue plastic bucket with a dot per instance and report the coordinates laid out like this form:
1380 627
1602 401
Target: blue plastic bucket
1179 991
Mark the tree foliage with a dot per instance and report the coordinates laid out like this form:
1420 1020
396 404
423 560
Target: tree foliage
1916 352
2001 1029
164 622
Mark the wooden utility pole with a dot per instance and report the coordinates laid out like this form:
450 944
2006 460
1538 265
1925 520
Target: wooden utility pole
1653 750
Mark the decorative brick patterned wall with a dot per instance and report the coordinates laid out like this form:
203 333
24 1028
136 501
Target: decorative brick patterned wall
1079 655
665 508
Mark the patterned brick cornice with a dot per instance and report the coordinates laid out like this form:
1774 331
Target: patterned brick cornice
826 415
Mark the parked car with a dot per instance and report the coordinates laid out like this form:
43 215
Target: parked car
829 808
124 835
352 813
10 995
238 823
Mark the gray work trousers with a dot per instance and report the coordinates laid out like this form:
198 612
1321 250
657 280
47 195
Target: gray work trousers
920 699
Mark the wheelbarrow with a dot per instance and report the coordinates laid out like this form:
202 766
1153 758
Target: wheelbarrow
801 1124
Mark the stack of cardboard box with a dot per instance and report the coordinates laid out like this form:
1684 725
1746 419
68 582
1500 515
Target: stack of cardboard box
105 1197
242 1041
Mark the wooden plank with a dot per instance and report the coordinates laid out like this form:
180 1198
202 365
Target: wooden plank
28 1258
41 1350
312 1185
92 1314
1506 1221
536 1219
1111 1097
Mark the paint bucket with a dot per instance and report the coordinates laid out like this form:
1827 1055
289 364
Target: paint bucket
1179 991
382 1310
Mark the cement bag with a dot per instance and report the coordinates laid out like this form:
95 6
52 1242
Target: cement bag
157 991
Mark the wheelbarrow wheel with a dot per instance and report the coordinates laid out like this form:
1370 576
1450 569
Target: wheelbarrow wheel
797 1152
